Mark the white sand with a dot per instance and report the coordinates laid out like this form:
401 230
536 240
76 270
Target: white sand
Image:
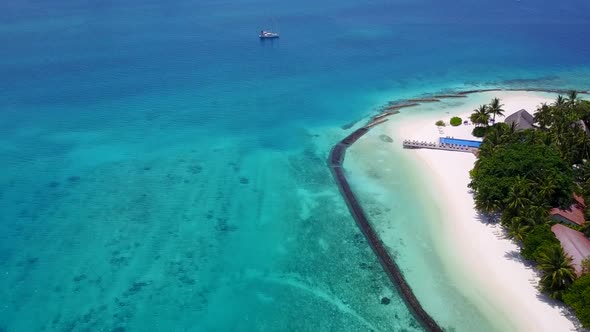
475 249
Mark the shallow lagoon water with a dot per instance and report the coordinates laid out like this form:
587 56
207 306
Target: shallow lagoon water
163 169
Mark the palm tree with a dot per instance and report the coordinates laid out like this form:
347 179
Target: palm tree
560 127
480 115
512 129
494 138
581 145
572 98
518 229
537 215
546 189
544 116
558 273
559 101
495 108
488 206
519 194
485 204
582 172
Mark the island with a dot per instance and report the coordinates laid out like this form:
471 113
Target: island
511 176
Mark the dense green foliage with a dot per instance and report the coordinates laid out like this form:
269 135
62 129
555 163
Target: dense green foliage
456 121
479 131
520 175
558 273
586 266
538 238
563 121
440 123
578 297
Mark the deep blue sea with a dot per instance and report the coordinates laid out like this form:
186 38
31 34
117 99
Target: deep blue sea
163 169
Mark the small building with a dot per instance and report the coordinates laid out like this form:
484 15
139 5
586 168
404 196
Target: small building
522 120
573 216
574 244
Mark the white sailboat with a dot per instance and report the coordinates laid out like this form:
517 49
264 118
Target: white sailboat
266 34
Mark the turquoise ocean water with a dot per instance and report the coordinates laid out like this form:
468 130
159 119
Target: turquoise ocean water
164 170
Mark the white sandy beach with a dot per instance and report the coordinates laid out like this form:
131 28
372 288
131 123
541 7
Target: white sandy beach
480 250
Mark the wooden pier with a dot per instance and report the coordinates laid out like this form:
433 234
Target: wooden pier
336 160
411 144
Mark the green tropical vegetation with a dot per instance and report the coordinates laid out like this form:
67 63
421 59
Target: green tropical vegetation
558 273
480 116
521 174
456 121
440 123
564 123
578 298
479 131
518 176
495 108
537 238
586 266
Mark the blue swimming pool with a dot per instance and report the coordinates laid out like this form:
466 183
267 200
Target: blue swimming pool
447 140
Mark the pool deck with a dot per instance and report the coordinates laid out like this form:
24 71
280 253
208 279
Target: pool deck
459 141
411 144
335 163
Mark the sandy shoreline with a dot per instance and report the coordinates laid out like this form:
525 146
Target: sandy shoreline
473 247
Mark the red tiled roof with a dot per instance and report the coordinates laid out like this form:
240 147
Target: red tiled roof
579 200
575 213
574 243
